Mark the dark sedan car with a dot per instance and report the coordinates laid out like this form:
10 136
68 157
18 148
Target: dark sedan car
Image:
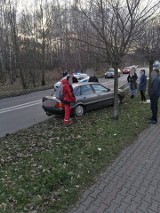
89 96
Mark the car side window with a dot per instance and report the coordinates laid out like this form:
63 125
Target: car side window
99 88
77 91
86 89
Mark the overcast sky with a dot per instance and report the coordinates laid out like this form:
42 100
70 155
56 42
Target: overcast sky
29 3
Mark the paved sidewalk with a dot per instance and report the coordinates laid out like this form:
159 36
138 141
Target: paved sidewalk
132 183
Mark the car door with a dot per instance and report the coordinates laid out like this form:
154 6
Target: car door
105 95
85 95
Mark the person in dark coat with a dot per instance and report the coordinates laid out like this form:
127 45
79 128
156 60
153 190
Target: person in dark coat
154 95
65 73
132 80
142 85
68 99
93 79
74 79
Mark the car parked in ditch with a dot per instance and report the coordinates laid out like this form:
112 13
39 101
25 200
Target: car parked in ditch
89 96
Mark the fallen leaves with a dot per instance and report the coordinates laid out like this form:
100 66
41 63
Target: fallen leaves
44 167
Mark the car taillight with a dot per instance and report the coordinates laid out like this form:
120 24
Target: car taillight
59 105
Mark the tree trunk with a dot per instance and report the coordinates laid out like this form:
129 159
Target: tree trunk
2 70
116 107
23 81
32 76
43 62
150 80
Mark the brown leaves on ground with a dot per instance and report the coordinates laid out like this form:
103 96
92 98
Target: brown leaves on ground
44 167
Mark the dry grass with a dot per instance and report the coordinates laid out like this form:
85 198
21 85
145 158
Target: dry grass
45 168
14 89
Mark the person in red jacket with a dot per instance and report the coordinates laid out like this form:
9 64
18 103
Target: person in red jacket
68 98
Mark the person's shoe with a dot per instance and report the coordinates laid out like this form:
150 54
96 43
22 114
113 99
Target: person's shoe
152 122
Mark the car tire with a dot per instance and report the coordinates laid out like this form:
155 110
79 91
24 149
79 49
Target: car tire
119 101
79 111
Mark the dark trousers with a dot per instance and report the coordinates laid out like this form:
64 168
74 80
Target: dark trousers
143 97
154 106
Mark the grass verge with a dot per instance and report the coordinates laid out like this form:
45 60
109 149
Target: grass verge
44 168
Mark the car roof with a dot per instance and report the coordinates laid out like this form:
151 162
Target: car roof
84 83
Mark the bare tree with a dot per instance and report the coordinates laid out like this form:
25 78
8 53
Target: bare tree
8 38
148 44
2 36
115 26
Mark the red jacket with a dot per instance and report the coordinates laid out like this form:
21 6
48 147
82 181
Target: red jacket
68 96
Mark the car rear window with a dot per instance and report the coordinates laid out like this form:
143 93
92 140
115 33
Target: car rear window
86 89
77 91
111 70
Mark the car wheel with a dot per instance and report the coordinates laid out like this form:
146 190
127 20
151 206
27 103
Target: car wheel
79 110
119 101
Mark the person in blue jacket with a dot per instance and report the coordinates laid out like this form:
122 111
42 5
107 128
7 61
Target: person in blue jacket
154 95
142 85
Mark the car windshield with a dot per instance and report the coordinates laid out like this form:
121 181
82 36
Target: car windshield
111 70
80 76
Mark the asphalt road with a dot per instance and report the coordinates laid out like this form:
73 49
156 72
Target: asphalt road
26 110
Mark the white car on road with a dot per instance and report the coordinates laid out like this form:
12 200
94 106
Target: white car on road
79 77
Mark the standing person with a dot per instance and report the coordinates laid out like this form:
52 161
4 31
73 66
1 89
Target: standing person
74 79
93 79
65 73
142 85
132 80
154 95
67 99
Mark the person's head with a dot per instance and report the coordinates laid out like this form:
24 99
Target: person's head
74 79
69 79
132 71
154 73
142 72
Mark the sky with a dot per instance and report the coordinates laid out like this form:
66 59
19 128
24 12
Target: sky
22 4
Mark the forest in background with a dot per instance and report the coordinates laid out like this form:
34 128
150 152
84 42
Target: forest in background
39 42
